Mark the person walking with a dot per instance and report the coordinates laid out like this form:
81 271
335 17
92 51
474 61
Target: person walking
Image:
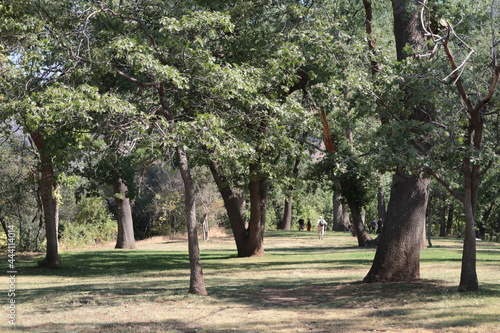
380 225
321 227
301 224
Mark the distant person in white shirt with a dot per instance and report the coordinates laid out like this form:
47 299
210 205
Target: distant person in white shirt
321 226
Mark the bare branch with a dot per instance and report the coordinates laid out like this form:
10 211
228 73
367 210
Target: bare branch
461 68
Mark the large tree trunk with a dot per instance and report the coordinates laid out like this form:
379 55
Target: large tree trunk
398 255
258 196
468 275
364 238
197 283
249 241
49 203
407 26
125 237
233 205
337 211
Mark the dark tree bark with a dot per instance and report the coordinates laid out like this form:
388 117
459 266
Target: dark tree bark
49 202
4 226
449 220
232 203
468 274
249 240
125 237
341 220
258 197
197 283
286 221
407 26
398 254
375 66
337 210
429 218
381 199
364 239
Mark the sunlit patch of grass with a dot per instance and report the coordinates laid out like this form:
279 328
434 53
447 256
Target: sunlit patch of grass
301 284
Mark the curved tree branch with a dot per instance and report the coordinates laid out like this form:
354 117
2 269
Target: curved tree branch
459 196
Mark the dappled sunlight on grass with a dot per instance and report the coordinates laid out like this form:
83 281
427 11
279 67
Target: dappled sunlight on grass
301 284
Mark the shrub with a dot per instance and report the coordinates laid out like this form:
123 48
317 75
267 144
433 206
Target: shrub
91 225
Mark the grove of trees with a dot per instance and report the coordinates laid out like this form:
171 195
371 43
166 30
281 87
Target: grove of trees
250 115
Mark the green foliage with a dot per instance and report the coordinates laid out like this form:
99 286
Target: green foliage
91 225
18 194
227 70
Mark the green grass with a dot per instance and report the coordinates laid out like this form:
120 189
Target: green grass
302 284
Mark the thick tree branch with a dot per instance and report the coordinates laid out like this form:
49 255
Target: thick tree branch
375 66
134 80
459 196
491 90
458 80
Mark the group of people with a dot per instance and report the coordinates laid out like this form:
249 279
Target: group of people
374 225
321 226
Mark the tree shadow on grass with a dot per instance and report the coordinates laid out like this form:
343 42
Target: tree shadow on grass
110 292
113 263
398 299
167 326
306 249
328 293
149 263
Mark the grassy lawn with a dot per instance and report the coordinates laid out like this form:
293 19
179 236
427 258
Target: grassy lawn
302 284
